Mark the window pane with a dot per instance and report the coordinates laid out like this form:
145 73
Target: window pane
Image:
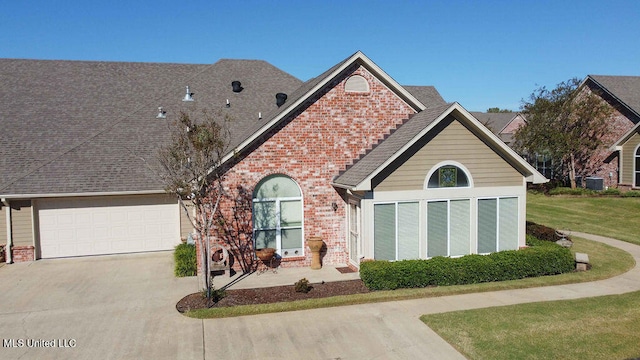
264 215
291 213
637 179
508 224
487 231
448 176
277 186
266 239
460 211
384 231
292 239
637 163
437 232
408 231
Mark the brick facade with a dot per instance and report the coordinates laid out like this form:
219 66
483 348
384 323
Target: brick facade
312 146
22 253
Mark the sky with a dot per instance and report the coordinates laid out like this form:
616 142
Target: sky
481 54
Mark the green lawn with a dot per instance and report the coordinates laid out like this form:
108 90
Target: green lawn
614 217
597 328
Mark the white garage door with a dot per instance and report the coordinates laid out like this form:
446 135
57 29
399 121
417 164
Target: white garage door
107 225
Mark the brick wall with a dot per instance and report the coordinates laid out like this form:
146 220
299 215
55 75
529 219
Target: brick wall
22 253
313 146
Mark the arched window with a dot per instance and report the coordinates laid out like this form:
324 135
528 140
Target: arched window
448 175
636 169
278 215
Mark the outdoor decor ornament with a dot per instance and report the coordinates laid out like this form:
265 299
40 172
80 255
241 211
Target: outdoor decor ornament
315 244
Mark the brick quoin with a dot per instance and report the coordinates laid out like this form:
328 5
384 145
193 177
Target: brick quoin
313 146
22 253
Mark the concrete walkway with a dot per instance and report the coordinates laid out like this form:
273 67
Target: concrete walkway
390 330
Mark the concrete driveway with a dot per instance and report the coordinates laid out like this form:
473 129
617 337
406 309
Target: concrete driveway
104 307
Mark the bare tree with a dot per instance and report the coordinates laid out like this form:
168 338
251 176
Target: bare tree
191 168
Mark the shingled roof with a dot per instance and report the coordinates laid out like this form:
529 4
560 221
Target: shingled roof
625 89
71 127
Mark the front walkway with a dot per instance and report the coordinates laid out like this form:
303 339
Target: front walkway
390 330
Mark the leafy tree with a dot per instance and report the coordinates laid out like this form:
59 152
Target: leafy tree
498 110
190 168
567 122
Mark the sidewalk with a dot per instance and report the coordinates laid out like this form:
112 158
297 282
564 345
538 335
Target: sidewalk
390 330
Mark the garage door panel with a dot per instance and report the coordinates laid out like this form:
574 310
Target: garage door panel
95 226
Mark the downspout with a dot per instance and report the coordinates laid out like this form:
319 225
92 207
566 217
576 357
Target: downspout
7 249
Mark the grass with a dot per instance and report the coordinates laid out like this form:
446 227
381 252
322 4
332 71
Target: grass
606 327
607 262
613 217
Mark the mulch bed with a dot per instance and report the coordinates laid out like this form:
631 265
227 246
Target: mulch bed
272 295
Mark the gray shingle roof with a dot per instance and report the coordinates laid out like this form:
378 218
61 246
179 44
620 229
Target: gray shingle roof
494 121
371 161
428 95
80 126
625 88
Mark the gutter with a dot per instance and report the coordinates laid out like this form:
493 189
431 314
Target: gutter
7 249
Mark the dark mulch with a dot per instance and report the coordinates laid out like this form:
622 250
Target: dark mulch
273 295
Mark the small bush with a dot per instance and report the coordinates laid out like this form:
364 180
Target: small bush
303 286
569 191
185 260
631 193
545 259
611 192
216 294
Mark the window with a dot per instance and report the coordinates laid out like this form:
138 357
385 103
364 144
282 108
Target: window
637 168
396 231
448 228
277 216
497 224
448 176
356 83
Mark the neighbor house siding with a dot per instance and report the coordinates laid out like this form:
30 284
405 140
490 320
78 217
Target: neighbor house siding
22 223
628 159
453 143
185 224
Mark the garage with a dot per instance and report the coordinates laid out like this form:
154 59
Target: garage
107 225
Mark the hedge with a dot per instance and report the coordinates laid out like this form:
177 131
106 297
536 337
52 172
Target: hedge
543 259
185 260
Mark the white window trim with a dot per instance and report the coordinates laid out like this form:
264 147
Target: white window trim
278 227
498 200
426 225
635 169
448 163
396 223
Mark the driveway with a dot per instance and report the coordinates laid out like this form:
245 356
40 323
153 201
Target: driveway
122 307
103 307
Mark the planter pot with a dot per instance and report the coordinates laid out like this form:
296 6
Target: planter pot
315 245
265 254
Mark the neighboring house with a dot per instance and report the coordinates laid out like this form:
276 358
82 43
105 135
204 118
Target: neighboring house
618 163
502 124
377 170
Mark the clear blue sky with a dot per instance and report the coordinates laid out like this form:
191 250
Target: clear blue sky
479 53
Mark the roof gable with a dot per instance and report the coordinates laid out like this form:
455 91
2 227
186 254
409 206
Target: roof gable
359 176
624 90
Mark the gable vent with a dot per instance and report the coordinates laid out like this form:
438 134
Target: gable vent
281 98
237 86
356 83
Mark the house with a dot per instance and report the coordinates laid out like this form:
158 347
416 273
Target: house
618 163
376 169
502 124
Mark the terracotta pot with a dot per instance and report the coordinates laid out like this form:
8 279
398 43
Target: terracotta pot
265 254
315 245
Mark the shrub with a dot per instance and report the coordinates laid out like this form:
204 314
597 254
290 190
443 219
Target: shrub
569 191
544 259
216 294
185 260
631 193
303 286
611 192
